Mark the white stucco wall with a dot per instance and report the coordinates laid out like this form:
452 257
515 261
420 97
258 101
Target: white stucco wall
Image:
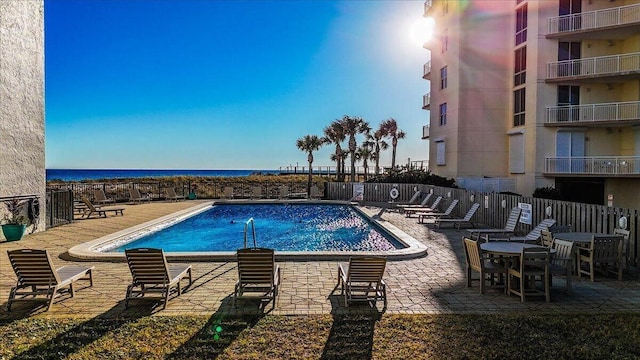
22 160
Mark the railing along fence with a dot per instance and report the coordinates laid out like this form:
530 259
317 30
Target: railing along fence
59 207
495 207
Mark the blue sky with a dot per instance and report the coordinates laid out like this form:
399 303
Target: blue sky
196 84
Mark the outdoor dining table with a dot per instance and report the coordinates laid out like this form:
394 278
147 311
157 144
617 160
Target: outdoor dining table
579 238
505 248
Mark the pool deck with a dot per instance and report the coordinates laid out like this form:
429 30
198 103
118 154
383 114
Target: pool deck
431 284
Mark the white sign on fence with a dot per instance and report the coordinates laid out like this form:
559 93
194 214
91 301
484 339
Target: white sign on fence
525 215
358 192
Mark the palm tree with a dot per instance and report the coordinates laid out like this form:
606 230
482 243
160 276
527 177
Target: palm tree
334 135
391 130
353 126
309 144
377 143
365 153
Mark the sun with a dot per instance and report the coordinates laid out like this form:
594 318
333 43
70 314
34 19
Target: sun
422 31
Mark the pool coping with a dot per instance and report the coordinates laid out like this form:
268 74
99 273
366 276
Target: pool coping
88 251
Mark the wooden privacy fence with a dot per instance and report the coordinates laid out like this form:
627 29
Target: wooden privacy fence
59 207
494 208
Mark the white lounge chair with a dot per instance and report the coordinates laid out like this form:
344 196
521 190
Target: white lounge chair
432 208
434 214
459 222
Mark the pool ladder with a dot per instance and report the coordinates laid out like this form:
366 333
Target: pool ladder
253 231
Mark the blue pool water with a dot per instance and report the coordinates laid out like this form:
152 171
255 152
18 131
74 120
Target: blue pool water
283 227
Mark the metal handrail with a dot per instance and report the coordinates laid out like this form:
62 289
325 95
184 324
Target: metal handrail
246 228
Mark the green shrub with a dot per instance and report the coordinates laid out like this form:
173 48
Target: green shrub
548 192
412 176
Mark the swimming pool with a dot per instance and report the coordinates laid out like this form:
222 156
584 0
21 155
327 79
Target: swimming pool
296 230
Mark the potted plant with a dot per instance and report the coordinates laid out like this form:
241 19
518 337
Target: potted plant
14 223
192 193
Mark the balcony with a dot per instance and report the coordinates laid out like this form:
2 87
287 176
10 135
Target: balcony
602 68
426 101
613 23
426 70
608 114
425 132
605 166
428 4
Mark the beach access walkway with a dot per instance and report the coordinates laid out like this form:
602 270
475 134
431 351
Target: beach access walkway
431 284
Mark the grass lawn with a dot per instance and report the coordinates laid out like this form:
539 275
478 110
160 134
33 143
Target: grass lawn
558 336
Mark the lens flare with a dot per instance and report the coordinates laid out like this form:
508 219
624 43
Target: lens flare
422 31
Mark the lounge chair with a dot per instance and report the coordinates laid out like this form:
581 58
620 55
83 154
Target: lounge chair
256 192
257 273
99 210
532 237
171 194
136 197
509 227
434 214
152 274
362 280
314 192
100 198
412 201
283 192
423 203
227 192
459 222
432 208
36 276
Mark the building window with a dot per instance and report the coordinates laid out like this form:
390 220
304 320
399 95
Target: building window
443 78
520 76
440 158
518 107
444 41
443 114
516 154
521 24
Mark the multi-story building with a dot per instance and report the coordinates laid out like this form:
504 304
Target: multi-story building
545 92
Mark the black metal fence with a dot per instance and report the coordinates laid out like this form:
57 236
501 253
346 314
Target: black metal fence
59 207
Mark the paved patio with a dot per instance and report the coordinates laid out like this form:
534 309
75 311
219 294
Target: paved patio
431 284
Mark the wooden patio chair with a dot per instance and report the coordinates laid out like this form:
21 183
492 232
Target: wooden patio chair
362 280
91 209
546 238
603 251
476 260
532 263
136 197
170 194
100 198
257 273
459 222
562 261
37 276
152 274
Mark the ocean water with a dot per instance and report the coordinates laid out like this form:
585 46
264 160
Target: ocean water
95 174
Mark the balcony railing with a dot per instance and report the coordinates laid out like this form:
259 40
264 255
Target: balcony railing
426 69
592 67
428 4
607 112
426 101
425 132
593 20
593 165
